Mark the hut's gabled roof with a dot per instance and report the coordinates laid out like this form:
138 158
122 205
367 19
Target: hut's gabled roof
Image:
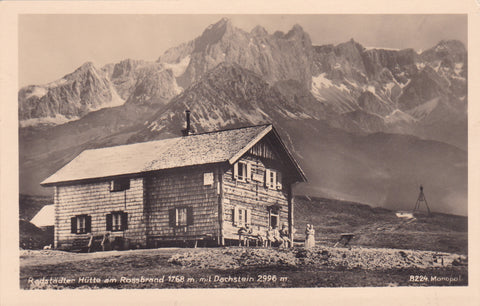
207 148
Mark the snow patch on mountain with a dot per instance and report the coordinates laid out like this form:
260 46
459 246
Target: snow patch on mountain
38 92
178 68
420 65
389 86
321 82
458 68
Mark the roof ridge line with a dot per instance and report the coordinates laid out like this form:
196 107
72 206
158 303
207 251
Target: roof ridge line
210 132
230 129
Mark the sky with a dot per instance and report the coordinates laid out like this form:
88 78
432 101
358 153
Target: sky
51 46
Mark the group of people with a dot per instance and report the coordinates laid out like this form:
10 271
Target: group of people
272 237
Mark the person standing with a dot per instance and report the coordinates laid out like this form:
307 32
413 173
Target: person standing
310 236
270 238
285 239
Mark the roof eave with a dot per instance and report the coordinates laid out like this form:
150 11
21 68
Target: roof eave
249 145
302 176
133 174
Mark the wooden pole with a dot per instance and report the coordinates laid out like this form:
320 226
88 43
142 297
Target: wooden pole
221 239
290 213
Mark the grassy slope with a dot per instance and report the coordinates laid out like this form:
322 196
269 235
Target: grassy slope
379 227
30 205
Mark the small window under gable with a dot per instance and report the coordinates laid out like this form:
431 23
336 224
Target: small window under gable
120 184
273 179
242 171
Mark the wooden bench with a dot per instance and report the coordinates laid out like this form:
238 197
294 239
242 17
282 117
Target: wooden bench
244 239
81 245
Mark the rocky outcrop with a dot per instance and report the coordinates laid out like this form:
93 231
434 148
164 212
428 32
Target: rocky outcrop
155 85
371 103
276 57
124 75
229 95
71 97
89 89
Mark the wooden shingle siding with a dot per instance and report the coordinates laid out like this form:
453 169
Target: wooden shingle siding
252 195
179 189
96 200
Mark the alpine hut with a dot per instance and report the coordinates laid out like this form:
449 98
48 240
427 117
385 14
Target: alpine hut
198 187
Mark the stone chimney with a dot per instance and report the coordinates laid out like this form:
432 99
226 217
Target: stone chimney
188 130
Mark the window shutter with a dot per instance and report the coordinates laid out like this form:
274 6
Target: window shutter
235 171
279 180
189 215
249 172
172 214
267 178
124 221
73 225
88 224
273 184
109 222
235 216
249 217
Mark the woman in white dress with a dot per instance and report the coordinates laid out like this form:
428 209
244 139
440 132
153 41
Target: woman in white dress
310 236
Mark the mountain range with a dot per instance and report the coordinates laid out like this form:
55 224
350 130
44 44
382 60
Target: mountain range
366 124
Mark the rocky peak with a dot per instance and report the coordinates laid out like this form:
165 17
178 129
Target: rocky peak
214 33
296 30
125 67
453 50
86 68
350 46
259 31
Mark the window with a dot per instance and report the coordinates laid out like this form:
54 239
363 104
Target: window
181 216
242 216
120 184
274 220
81 224
208 178
117 221
273 179
274 215
242 171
